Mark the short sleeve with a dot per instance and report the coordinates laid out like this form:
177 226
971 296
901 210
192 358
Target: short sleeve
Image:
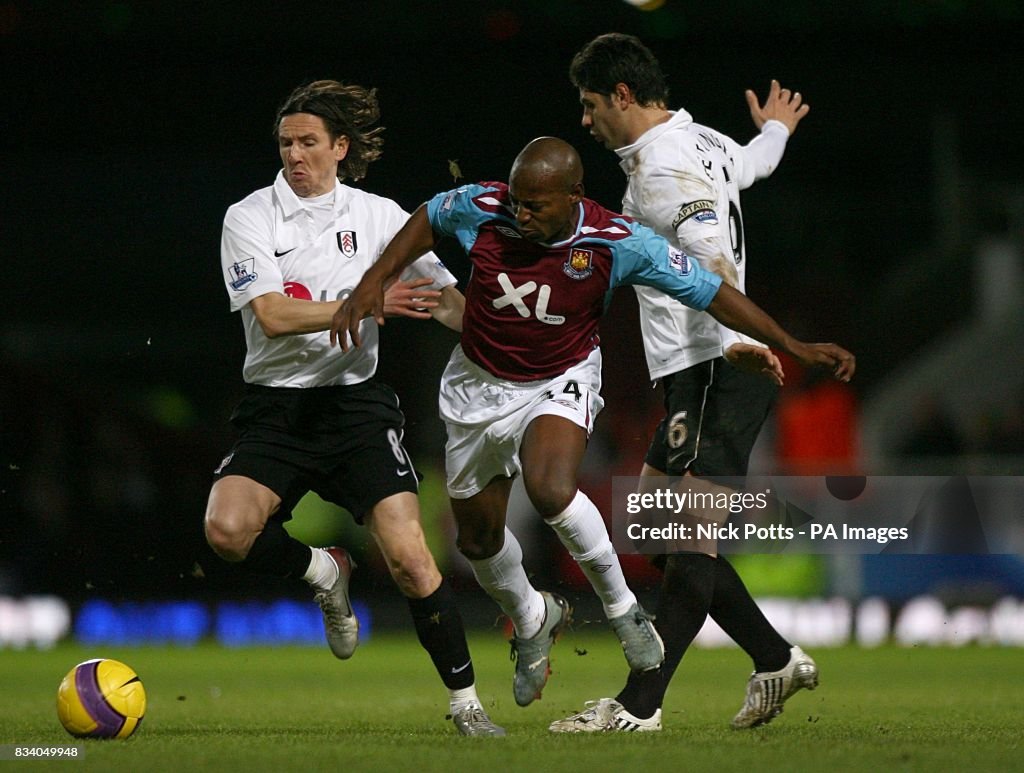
429 266
249 269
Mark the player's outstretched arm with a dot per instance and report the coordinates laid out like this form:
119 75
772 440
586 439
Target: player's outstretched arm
279 315
780 105
413 239
735 310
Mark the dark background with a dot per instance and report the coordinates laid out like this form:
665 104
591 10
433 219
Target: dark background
130 127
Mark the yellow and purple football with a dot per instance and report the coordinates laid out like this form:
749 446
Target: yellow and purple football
101 698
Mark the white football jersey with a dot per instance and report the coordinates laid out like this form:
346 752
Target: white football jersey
275 241
684 182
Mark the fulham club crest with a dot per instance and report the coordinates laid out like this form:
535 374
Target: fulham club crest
580 264
347 243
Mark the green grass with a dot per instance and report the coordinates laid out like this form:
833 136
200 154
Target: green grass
211 708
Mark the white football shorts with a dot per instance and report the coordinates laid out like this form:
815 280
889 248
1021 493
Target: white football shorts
486 417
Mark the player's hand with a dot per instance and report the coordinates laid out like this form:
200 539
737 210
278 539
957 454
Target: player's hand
832 357
366 300
756 359
781 105
407 299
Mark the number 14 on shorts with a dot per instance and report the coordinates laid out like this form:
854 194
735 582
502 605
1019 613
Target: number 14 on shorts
571 388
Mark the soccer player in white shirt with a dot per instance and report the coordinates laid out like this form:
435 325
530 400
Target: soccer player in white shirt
312 418
684 181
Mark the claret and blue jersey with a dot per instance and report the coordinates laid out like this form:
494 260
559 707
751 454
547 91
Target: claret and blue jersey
532 310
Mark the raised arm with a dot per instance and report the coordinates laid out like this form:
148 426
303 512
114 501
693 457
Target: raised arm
780 105
414 239
776 120
734 310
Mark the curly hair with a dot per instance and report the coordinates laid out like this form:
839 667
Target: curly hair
617 58
346 110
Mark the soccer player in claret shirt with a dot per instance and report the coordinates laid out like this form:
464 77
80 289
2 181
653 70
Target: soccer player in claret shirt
684 182
312 419
521 391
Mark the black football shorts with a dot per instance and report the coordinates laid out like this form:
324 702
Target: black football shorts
343 442
713 415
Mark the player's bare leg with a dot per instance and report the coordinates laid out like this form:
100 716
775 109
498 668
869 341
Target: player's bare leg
236 514
239 528
395 526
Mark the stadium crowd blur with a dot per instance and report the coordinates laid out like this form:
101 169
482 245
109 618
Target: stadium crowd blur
114 392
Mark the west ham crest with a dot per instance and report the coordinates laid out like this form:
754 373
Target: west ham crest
347 243
580 263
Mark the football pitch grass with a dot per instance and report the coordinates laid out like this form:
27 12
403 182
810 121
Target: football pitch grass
261 709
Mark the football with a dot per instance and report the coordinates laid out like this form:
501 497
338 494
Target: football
101 698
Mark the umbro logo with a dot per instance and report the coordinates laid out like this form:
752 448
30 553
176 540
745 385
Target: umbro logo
511 233
285 252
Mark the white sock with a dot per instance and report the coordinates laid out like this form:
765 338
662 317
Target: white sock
322 572
503 577
581 529
459 699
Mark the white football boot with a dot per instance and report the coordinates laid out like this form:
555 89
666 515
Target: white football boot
768 690
606 716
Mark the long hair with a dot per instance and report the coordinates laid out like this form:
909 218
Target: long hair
347 110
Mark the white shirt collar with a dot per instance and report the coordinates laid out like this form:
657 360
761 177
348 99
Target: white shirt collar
290 203
627 153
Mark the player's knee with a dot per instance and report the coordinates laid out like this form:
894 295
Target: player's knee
415 573
549 493
480 541
226 536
